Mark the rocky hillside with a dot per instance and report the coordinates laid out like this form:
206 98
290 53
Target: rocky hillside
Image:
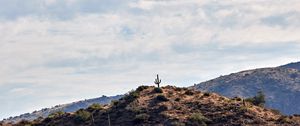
71 107
170 106
281 86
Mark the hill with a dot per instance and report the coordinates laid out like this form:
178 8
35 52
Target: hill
281 86
169 106
295 65
71 107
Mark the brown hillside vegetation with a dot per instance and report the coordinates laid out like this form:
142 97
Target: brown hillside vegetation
170 106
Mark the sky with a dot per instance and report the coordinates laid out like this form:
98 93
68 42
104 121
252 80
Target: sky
59 51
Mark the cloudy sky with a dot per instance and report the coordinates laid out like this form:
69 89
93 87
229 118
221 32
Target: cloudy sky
59 51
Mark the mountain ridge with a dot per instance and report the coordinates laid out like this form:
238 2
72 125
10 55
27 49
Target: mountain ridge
280 84
69 107
170 106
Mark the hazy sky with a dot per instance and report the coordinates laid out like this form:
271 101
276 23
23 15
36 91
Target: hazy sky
59 51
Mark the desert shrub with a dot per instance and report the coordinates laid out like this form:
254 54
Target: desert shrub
197 119
162 108
56 114
284 119
178 89
177 99
114 102
189 92
157 90
136 109
24 123
131 96
258 100
177 123
141 117
141 88
81 115
275 111
238 98
95 106
161 98
184 88
243 109
206 94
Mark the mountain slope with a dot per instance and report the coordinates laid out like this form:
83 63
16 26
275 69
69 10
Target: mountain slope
281 86
170 106
295 65
71 107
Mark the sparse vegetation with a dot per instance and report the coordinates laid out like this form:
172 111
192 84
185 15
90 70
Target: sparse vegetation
161 98
177 99
258 100
275 111
95 106
197 119
82 115
243 108
157 90
189 92
141 88
130 96
206 94
114 102
177 123
285 119
141 117
56 114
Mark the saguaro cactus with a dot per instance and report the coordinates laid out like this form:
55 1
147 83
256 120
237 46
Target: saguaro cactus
157 81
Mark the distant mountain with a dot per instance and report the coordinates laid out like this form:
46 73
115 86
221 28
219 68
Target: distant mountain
71 107
281 86
295 65
170 106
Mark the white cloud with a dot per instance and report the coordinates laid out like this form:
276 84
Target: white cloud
91 50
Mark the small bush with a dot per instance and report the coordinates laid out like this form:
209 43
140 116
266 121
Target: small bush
238 98
95 106
141 88
23 123
114 102
157 90
162 108
177 99
141 117
136 109
178 89
197 119
81 115
275 111
206 94
243 109
177 123
189 92
56 114
130 96
258 100
161 98
285 119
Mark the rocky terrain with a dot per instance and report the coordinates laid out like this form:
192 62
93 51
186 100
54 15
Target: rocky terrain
71 107
172 106
281 85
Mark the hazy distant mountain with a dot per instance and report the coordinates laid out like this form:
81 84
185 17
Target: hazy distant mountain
170 106
71 107
295 65
280 84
